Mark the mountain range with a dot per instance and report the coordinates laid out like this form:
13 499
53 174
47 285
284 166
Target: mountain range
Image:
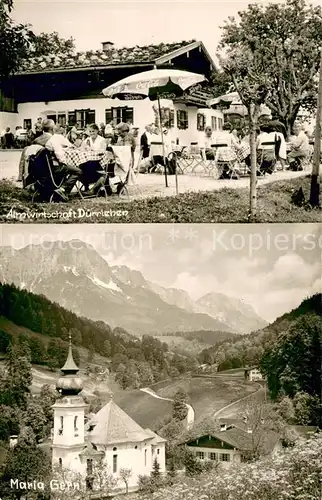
78 278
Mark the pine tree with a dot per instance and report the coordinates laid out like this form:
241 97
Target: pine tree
155 468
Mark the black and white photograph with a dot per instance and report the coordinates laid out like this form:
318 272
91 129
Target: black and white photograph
160 250
160 112
160 361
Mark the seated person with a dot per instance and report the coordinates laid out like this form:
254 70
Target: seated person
95 141
47 131
38 127
56 144
266 152
8 139
299 147
207 152
124 138
100 180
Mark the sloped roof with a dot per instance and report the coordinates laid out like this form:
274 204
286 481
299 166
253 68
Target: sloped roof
113 425
111 57
156 439
234 437
242 440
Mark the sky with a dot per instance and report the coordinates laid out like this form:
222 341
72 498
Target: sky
130 23
272 267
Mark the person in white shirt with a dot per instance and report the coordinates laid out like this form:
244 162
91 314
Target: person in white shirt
299 148
205 147
95 141
266 146
57 143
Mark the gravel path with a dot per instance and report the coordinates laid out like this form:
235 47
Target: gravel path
151 185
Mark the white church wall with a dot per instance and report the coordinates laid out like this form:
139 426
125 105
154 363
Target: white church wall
69 460
135 456
68 434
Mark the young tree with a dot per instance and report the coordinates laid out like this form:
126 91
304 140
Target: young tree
125 475
272 58
103 480
193 466
261 420
286 38
179 408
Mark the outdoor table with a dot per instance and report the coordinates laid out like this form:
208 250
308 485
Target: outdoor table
76 157
224 153
242 152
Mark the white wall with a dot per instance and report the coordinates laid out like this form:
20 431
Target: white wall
9 120
143 114
129 457
69 436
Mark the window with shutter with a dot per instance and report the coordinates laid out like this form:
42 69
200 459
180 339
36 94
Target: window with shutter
182 119
201 122
72 118
108 116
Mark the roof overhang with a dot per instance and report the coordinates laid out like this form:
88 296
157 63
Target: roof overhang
85 68
184 50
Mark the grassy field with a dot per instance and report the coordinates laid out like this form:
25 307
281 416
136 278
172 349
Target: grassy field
223 206
146 410
204 394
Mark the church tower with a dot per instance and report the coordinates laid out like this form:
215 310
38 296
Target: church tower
69 413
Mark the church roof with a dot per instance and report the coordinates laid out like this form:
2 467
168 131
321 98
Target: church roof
154 53
70 365
156 439
113 425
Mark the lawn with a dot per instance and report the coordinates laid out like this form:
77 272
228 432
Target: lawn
208 395
204 394
146 410
222 206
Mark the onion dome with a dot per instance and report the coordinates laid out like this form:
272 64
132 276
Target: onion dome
70 384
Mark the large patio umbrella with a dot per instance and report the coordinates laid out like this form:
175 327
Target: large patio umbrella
155 84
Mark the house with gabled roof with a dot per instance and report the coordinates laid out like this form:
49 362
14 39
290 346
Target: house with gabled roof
232 443
69 88
109 438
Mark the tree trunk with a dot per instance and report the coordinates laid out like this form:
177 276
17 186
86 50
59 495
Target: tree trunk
315 184
253 172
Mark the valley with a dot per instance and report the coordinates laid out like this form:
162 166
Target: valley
82 281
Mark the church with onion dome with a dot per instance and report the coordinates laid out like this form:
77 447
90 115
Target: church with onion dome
109 438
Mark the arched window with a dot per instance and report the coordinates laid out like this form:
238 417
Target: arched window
75 423
60 462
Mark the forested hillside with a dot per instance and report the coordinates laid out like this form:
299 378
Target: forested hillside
134 361
249 349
